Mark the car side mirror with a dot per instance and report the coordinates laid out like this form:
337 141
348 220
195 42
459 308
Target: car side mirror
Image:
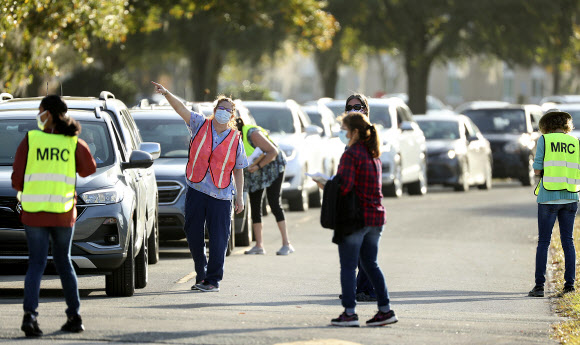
138 160
406 126
154 149
314 130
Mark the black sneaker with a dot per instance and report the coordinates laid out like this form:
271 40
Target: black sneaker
365 297
537 291
345 320
30 326
381 319
568 289
74 324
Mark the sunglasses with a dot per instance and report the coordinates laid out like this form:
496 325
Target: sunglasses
226 109
355 107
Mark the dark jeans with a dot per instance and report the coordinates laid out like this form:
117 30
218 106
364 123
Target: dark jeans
274 195
363 244
547 214
201 210
38 239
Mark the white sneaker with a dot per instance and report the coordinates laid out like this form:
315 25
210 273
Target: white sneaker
255 251
285 250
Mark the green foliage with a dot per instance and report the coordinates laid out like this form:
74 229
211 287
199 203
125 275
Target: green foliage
33 31
91 81
248 91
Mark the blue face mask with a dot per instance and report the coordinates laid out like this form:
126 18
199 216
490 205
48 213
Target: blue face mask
222 116
342 136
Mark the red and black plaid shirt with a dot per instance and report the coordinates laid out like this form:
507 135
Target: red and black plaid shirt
360 171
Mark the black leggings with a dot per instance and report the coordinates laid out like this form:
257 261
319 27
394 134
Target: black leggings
274 195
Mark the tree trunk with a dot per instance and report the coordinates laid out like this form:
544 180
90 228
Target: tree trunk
206 64
327 63
557 78
417 69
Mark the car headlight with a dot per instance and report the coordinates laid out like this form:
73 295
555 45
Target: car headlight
102 196
290 153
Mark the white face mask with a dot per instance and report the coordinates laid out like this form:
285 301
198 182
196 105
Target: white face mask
222 116
39 122
342 136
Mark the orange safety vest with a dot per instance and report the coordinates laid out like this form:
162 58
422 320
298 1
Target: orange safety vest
220 161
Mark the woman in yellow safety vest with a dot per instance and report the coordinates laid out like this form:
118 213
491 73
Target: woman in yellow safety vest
558 162
44 174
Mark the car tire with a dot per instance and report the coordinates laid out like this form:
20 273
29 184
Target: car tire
315 199
142 266
463 183
488 178
528 179
419 187
153 241
230 247
244 238
395 189
121 282
301 202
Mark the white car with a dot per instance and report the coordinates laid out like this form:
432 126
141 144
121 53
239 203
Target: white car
434 105
322 116
302 144
403 149
574 110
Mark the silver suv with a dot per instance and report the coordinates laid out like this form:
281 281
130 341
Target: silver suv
117 206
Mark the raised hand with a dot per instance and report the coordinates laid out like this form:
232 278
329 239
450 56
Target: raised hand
160 88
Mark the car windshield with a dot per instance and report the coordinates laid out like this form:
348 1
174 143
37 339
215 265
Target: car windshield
575 117
315 118
276 120
439 130
172 135
337 109
379 113
95 134
498 120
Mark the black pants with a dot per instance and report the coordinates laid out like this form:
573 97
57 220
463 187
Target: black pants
274 195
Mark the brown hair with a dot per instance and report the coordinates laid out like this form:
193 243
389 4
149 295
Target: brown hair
556 120
367 132
63 123
363 101
224 98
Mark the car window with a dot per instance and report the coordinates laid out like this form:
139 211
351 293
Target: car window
440 130
379 114
132 127
318 120
337 109
172 135
498 120
132 139
120 144
94 133
473 126
276 120
575 117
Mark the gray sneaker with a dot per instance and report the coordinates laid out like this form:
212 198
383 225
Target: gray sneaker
285 250
207 287
255 251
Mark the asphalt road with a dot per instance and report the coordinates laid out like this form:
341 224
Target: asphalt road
458 268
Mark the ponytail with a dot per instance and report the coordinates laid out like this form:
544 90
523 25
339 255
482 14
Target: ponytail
367 132
63 123
239 123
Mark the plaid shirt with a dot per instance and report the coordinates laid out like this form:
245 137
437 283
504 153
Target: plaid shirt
358 170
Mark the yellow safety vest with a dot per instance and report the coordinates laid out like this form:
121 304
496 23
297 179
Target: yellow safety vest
50 175
247 147
561 163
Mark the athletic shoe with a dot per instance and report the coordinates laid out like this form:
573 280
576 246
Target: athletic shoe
30 326
255 251
365 297
345 320
537 291
285 250
74 324
207 287
568 289
381 319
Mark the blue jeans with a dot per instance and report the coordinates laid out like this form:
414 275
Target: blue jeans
547 214
201 210
364 244
61 238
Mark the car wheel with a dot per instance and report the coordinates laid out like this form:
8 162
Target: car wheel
528 179
244 238
488 178
153 241
463 185
419 187
315 199
142 266
395 189
121 282
300 203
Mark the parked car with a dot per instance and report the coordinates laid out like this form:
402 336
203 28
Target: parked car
300 141
324 118
111 233
561 99
512 132
434 105
574 110
403 150
458 155
162 124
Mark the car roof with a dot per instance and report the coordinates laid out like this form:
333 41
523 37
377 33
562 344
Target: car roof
155 113
482 105
266 104
106 100
568 106
561 99
82 115
437 117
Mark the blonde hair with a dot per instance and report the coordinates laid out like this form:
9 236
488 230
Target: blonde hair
556 120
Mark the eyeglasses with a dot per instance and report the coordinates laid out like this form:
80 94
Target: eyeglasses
226 109
355 107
